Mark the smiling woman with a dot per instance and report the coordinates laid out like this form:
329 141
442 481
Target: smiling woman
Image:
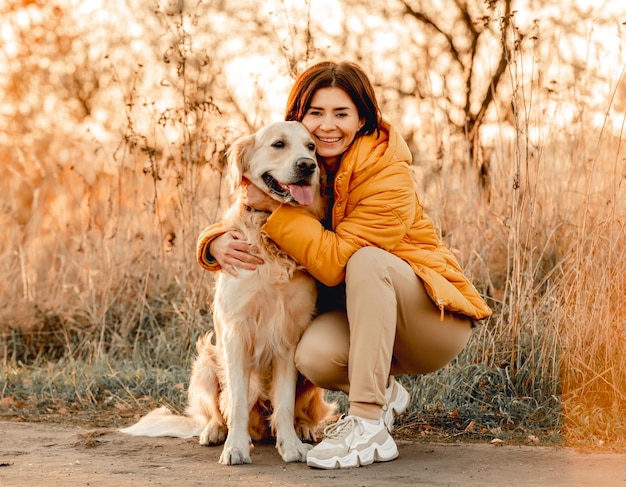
396 301
336 105
333 120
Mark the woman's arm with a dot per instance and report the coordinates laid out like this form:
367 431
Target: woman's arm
378 213
221 249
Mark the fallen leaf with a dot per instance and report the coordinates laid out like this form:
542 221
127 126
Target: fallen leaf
497 442
89 440
6 401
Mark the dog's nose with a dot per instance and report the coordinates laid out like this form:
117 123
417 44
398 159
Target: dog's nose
306 166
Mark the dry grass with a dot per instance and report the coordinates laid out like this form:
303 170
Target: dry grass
106 314
103 299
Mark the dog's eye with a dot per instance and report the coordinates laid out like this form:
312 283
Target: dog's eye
279 144
311 147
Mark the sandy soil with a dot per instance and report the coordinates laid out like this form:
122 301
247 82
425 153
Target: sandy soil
40 454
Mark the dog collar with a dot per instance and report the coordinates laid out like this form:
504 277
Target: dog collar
254 210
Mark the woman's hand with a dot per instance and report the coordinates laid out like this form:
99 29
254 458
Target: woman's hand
232 252
257 199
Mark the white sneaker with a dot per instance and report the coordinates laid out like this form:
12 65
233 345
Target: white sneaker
397 399
352 442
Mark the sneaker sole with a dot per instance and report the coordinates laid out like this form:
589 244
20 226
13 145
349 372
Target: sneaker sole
375 453
397 408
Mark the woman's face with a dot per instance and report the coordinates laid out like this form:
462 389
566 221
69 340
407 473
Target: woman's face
333 120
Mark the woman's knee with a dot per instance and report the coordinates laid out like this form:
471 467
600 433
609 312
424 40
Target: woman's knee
366 266
366 258
374 270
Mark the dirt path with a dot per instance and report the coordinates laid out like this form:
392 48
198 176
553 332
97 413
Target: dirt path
40 454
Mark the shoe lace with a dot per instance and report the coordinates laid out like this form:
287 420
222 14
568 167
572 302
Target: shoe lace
342 427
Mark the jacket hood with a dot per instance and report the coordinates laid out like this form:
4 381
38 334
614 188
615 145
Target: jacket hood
371 152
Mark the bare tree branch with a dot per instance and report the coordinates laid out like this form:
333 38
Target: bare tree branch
475 121
425 19
469 69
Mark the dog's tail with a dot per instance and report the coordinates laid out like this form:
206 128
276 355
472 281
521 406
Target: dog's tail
162 422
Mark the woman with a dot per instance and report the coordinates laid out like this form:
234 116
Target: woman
393 300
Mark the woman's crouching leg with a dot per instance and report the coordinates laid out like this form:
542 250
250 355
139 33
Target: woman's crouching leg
322 353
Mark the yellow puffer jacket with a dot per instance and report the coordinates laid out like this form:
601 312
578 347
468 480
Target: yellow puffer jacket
375 205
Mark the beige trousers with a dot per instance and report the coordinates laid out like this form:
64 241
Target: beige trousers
389 327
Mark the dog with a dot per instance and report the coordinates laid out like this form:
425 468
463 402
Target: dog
244 384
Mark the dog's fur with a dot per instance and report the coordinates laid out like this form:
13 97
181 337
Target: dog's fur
244 384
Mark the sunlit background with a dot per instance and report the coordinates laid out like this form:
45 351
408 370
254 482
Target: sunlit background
115 117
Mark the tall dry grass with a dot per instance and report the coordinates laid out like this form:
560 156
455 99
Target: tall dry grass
545 243
102 290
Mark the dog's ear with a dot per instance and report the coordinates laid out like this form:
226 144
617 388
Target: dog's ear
238 156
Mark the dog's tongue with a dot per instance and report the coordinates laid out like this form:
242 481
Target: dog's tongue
301 193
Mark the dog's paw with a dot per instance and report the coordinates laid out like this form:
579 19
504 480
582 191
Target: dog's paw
235 456
213 434
293 451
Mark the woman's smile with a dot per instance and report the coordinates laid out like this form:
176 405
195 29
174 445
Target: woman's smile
328 140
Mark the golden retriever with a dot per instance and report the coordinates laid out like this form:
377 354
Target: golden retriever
244 384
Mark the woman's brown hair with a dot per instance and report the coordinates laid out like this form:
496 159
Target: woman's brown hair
344 75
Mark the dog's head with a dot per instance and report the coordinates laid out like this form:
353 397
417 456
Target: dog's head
280 160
